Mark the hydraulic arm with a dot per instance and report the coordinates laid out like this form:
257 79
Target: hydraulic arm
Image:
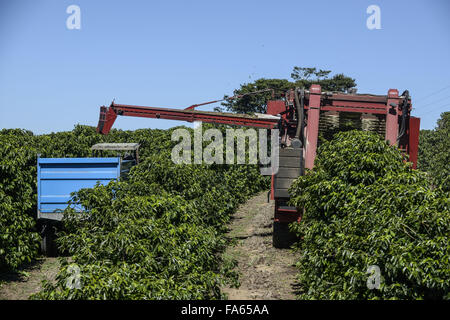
109 114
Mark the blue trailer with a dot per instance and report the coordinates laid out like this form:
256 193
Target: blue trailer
57 178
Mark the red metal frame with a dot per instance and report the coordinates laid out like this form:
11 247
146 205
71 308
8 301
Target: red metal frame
109 115
286 215
312 127
272 187
392 116
413 140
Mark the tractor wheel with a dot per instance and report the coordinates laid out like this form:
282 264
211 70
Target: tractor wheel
48 247
282 238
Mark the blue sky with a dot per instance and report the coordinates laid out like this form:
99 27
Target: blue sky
177 53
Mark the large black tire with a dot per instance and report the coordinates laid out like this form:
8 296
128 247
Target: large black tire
282 238
48 247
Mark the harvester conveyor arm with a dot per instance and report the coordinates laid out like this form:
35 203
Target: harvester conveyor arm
109 114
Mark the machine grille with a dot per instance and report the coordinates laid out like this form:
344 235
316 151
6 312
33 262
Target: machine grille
332 121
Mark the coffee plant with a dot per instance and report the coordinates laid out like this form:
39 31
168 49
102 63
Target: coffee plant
434 152
18 240
157 235
364 206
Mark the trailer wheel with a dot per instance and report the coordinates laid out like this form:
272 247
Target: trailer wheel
48 247
282 238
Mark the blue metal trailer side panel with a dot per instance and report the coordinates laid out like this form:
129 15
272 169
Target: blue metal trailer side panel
58 177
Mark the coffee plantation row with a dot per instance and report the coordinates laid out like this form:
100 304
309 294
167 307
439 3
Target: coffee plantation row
367 211
160 234
157 235
434 152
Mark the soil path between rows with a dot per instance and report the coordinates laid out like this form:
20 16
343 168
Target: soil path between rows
19 286
265 273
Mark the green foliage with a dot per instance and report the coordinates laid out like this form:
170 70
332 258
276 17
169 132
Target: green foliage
256 102
186 206
157 235
434 152
301 78
337 83
365 206
18 241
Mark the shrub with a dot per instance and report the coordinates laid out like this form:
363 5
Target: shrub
434 152
18 241
364 206
157 235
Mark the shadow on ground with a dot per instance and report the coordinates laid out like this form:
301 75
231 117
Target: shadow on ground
264 271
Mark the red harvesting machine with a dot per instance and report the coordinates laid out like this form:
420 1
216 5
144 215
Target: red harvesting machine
300 115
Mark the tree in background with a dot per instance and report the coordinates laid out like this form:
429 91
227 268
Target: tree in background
302 77
337 83
434 152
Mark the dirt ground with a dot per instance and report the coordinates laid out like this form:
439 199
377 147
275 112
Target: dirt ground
265 273
19 286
